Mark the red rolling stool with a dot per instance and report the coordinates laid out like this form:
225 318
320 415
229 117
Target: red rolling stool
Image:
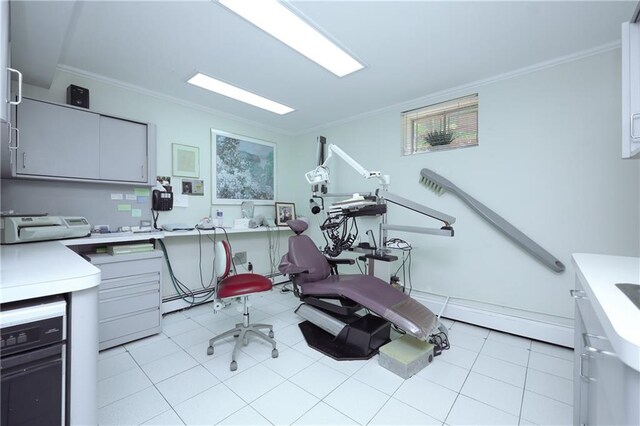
239 285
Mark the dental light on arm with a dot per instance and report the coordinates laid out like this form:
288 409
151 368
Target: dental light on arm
321 173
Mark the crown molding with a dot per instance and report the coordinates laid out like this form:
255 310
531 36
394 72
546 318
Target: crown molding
402 106
168 98
468 88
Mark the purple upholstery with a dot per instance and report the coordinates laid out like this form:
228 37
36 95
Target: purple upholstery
313 276
298 226
303 253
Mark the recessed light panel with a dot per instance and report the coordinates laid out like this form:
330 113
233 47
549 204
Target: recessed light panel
226 89
274 18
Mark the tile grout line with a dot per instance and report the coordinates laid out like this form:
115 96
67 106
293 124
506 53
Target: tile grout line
524 389
465 380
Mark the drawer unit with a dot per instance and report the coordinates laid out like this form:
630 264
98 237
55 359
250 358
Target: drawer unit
129 296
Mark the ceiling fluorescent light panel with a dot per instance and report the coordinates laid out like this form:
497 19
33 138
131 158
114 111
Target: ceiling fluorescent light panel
277 20
226 89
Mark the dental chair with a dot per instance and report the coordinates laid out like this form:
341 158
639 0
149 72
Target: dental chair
239 285
333 303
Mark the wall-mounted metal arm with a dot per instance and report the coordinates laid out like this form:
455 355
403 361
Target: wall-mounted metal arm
419 208
444 232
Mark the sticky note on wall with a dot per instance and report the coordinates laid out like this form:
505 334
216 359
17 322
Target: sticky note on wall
136 213
124 207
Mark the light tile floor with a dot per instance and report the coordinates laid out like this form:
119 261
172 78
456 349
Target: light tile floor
487 377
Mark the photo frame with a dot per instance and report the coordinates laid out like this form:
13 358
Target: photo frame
242 168
186 160
285 212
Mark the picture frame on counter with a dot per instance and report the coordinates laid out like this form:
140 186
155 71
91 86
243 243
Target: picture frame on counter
242 168
284 213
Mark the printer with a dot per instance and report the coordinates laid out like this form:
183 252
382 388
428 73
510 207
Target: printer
24 229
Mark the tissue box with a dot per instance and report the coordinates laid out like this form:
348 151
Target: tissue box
241 223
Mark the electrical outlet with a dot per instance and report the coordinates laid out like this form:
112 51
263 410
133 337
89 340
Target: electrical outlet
240 258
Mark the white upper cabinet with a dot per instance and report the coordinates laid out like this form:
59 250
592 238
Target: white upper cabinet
62 142
4 62
630 90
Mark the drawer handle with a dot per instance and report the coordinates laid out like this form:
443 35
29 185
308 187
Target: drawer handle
578 294
582 376
586 338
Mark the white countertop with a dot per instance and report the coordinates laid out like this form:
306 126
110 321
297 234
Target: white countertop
42 269
122 237
219 231
619 317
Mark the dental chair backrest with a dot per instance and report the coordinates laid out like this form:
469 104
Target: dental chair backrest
304 253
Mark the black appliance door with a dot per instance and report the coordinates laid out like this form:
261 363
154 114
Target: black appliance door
32 387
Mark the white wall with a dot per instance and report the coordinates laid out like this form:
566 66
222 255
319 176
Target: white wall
176 123
548 162
188 125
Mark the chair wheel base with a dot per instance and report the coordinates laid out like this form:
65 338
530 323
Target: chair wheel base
233 366
274 353
210 350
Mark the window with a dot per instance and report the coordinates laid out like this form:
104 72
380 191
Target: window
447 125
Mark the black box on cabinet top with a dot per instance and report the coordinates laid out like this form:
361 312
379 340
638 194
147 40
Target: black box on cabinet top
77 96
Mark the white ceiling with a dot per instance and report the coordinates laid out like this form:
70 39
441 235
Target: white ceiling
410 49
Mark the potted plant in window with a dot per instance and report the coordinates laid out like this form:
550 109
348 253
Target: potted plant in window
439 137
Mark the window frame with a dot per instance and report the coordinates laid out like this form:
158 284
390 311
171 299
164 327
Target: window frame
411 143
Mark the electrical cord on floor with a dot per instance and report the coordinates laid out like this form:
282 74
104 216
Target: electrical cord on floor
440 341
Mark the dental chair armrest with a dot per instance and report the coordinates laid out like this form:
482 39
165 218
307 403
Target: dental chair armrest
293 270
333 261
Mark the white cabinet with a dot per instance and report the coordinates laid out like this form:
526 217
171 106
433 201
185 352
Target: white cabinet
606 390
61 142
630 89
57 142
123 150
4 63
129 296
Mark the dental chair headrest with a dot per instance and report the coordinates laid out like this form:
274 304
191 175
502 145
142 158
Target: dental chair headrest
298 226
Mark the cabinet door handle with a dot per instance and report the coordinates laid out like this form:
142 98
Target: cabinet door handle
633 117
19 86
142 171
582 376
578 294
24 160
586 338
11 130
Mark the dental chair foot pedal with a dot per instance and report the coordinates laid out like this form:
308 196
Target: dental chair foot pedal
406 356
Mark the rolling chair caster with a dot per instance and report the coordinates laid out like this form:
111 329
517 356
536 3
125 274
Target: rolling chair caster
274 353
210 350
233 366
271 333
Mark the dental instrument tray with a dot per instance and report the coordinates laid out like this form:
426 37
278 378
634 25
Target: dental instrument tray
24 229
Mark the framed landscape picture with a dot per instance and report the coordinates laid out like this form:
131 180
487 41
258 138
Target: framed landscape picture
243 169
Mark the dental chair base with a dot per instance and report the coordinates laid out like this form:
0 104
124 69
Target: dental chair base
343 337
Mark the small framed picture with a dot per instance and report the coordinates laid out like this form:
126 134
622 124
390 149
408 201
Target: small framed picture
186 161
285 212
